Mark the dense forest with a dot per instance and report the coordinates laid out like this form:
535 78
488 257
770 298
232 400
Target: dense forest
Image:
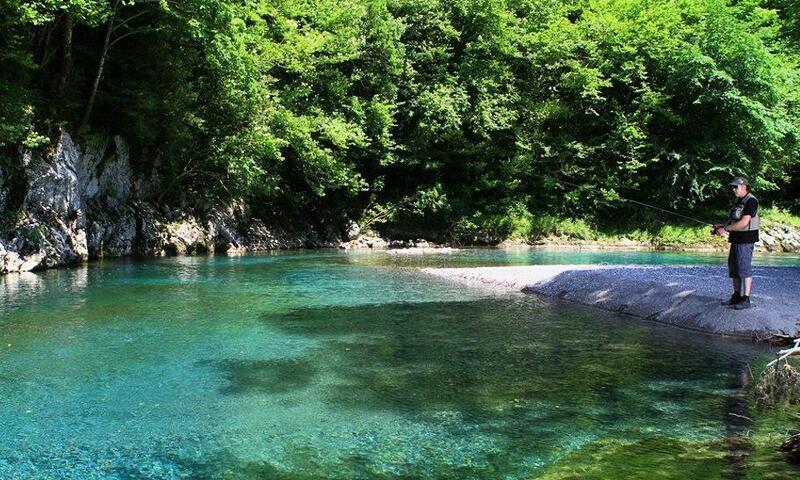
433 115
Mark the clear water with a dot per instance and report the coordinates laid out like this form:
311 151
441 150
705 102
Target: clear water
329 365
479 257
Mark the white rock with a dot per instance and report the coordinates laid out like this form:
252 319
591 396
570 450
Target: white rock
352 231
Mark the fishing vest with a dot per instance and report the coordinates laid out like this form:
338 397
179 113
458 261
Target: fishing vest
736 214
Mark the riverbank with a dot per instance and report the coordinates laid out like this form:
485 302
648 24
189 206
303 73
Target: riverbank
687 297
83 201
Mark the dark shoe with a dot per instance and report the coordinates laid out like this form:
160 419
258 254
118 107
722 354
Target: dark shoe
743 303
735 298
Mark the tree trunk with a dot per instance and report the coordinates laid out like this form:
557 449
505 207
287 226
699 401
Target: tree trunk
66 49
103 54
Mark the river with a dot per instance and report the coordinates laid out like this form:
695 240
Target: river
336 365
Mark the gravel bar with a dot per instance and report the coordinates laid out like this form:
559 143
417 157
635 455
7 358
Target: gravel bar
688 297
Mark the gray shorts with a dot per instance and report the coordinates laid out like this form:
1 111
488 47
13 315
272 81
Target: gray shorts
740 260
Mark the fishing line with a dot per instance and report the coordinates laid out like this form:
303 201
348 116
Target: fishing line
644 204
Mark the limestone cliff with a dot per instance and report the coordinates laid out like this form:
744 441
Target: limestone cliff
83 201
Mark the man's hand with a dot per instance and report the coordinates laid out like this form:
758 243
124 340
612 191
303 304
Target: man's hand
715 228
721 231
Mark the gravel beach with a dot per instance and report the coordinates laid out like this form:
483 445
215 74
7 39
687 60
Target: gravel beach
688 297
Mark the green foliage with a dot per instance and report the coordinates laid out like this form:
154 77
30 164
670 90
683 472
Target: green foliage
16 111
516 224
775 215
682 235
519 224
333 108
422 201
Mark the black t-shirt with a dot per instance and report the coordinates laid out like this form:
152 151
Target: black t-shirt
749 208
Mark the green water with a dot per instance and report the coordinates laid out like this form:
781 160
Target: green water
329 365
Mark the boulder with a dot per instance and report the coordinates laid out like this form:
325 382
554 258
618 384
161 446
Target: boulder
225 224
185 237
767 241
352 231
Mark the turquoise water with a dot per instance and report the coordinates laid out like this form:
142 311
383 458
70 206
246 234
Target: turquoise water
479 257
337 366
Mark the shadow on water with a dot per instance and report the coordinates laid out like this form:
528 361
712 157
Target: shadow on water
541 382
266 376
471 355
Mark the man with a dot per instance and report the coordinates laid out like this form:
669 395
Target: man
742 231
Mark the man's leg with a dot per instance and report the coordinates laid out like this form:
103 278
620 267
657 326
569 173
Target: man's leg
734 274
737 284
745 266
733 271
745 270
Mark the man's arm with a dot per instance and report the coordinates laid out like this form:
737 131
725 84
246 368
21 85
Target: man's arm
748 212
739 224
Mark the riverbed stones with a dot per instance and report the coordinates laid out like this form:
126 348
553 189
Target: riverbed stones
364 242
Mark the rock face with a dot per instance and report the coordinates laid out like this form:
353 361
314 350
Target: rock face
779 238
83 201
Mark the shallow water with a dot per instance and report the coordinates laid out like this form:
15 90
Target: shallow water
333 365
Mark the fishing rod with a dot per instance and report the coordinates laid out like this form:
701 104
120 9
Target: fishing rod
645 205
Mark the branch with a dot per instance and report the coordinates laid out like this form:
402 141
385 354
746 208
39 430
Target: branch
787 353
132 32
740 416
389 210
122 23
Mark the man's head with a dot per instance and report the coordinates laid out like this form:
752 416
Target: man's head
739 186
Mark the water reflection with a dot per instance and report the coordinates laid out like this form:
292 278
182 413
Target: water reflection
18 286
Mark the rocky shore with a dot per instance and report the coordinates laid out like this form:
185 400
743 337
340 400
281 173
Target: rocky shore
84 201
687 297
